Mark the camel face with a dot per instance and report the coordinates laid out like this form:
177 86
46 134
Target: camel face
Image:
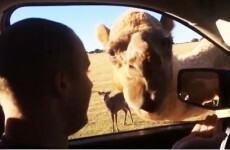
140 49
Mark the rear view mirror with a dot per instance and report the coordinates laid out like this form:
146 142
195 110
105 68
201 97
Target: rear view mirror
207 88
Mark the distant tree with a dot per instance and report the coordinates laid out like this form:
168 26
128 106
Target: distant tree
96 51
194 40
91 52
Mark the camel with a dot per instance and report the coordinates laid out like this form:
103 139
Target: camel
145 68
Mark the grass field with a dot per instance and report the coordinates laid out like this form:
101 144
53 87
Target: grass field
100 73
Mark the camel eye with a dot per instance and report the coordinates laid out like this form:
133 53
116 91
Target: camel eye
111 53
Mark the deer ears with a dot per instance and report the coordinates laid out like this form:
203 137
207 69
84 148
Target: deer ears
167 23
102 33
108 92
101 93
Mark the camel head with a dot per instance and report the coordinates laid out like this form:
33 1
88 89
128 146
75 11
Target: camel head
140 49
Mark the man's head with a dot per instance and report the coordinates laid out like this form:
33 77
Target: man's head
45 64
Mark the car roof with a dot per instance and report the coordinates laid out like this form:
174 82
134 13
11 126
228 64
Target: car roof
200 15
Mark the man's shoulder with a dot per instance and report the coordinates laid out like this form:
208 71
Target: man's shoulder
4 144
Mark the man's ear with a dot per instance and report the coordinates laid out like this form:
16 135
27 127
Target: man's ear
62 83
167 23
102 34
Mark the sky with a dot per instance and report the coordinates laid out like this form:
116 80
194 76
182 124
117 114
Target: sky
84 19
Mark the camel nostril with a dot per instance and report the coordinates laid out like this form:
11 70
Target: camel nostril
131 66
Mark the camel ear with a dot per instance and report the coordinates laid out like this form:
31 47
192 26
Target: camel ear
102 34
167 23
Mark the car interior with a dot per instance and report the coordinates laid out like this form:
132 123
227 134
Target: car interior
208 18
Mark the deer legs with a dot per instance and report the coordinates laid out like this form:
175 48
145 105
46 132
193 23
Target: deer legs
114 120
125 116
125 110
130 115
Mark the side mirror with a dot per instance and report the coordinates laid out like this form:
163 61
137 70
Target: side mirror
207 88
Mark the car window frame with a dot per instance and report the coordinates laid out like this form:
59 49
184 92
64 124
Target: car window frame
5 22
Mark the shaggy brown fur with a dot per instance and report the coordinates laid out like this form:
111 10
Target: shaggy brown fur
140 48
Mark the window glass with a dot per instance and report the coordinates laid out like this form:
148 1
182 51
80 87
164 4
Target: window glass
84 20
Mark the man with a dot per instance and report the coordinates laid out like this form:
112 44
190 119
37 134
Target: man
44 87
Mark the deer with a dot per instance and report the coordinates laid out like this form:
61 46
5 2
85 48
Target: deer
115 104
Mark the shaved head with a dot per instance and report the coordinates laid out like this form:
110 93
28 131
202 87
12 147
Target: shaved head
32 51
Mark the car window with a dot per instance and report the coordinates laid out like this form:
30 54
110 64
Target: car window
189 50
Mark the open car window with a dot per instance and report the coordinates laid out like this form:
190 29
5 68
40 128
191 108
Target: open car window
189 50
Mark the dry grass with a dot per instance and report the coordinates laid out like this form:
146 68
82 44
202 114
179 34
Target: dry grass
183 48
99 117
